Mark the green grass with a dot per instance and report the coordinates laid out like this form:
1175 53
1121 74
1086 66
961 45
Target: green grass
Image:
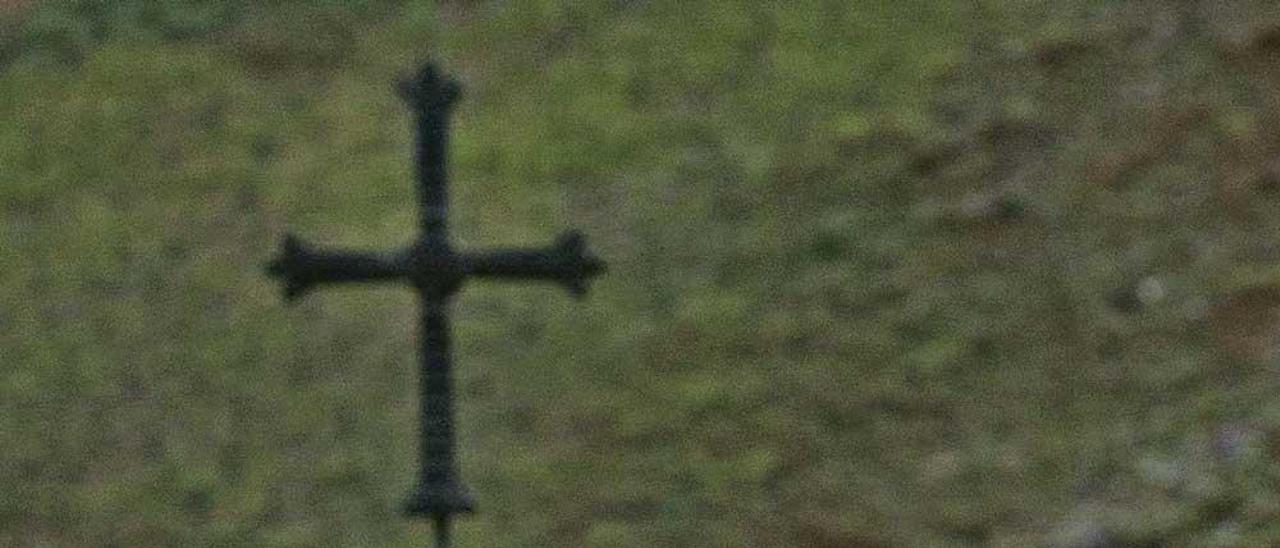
881 273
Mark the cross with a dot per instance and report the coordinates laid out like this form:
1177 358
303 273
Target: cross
432 267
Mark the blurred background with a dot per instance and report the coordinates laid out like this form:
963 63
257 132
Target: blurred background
882 273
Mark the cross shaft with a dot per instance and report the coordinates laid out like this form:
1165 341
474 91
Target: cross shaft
432 267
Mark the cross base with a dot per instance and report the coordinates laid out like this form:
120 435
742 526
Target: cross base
436 500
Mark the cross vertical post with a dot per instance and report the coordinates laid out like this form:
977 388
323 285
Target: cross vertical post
440 491
437 272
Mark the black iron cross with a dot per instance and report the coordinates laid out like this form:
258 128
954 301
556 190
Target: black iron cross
437 271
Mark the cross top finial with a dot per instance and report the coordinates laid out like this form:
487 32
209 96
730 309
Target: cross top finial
430 89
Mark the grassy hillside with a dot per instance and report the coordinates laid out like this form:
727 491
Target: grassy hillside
881 273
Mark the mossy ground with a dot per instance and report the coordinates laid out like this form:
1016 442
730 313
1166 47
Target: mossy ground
882 273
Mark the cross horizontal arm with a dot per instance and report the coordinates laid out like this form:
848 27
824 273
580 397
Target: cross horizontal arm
300 267
567 262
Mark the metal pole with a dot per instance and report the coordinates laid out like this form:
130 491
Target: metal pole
442 530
